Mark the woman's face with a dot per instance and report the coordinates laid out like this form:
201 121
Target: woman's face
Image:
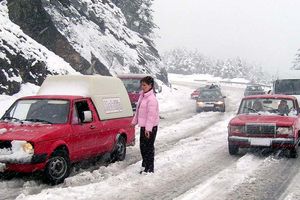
145 87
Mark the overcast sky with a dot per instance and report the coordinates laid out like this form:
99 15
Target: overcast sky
262 32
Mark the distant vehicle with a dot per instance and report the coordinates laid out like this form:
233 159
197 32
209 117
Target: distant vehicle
196 93
210 100
288 82
265 121
253 90
72 118
132 85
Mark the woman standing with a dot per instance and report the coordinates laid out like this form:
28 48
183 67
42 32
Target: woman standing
147 117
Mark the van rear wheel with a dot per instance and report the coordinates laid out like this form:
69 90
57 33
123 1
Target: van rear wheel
119 152
57 167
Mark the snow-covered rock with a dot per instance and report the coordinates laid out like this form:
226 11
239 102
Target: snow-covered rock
90 36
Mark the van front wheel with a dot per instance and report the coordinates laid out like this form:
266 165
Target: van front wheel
57 167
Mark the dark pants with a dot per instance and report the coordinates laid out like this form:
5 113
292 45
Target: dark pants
147 149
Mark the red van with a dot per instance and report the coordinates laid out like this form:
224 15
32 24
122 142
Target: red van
132 85
72 118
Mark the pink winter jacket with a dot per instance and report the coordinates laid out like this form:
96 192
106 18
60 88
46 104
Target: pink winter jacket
147 113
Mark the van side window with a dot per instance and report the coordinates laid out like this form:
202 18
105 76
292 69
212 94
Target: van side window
80 107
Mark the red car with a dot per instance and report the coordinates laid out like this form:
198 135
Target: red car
268 121
49 132
195 93
132 85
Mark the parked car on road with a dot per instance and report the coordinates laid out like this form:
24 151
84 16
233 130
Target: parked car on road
253 90
71 119
268 121
132 85
210 100
195 93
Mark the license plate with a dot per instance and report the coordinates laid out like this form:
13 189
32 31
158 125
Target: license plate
209 105
260 142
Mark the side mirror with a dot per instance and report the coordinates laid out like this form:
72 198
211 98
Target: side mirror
87 116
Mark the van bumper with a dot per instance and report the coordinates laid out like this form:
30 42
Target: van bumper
37 162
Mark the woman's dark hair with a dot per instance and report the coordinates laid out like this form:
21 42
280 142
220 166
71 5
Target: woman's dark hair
148 80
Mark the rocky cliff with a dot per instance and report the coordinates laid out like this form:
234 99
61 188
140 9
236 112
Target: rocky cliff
85 36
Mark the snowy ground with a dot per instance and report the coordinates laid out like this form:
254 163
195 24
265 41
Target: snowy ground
191 162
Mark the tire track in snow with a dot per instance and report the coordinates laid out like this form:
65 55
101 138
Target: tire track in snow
268 182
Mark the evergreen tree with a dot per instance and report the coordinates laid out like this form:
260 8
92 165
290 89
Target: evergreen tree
296 63
183 61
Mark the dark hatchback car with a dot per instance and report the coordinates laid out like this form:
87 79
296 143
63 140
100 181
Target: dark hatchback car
253 90
210 100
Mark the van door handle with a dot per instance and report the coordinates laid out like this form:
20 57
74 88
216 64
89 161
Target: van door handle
92 127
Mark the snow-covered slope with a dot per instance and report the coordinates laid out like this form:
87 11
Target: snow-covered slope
90 37
22 59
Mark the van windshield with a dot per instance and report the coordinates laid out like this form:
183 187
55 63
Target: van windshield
39 110
132 85
287 86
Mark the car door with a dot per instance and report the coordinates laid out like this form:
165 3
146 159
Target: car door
85 134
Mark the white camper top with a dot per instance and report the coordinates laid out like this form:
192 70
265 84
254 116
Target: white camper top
107 93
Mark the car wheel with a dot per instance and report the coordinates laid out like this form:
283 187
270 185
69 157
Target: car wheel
293 153
198 110
119 151
233 149
57 167
223 109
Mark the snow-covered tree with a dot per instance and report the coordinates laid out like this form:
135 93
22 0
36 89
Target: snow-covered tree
184 61
138 14
296 63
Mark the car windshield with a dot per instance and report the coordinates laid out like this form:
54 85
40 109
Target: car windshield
210 94
132 85
254 88
36 110
265 106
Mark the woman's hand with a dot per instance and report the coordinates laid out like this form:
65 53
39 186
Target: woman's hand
147 134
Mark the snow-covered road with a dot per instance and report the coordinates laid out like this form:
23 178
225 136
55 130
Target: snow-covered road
191 162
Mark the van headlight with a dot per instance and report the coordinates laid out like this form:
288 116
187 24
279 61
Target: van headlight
285 130
200 104
28 148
